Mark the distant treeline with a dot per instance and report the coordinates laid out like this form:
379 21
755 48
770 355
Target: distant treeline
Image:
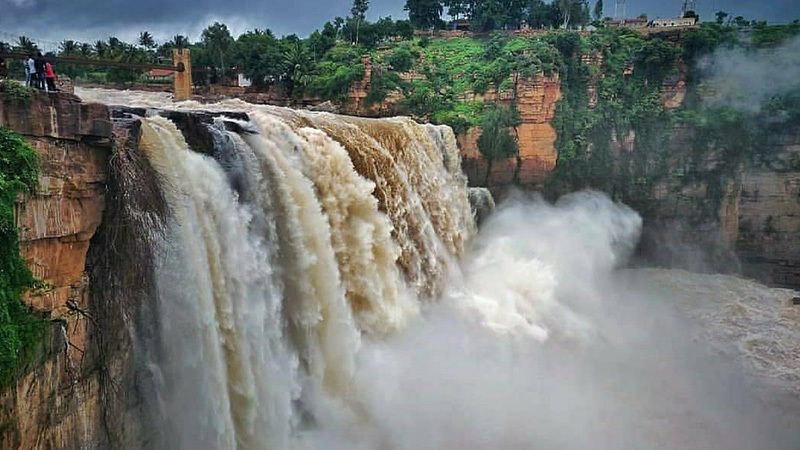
326 63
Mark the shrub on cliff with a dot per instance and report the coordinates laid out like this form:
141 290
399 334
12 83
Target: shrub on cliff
19 329
334 75
17 92
496 141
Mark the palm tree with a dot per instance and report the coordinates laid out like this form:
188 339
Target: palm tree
68 47
297 63
115 44
85 50
146 40
100 49
358 11
27 46
180 41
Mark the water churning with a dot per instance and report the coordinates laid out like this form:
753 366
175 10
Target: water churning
321 284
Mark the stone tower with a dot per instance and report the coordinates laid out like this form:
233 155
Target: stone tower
182 80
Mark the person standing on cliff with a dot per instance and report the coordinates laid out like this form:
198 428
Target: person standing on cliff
3 69
50 76
38 64
30 72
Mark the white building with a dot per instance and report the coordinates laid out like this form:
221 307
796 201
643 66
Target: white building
677 22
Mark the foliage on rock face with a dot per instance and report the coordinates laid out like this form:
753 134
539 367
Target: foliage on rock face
628 101
455 69
17 92
497 141
768 35
401 60
620 145
20 331
336 73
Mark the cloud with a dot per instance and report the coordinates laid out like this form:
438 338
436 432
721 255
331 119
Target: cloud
747 79
97 19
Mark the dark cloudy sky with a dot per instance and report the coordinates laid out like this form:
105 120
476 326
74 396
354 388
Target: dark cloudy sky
54 20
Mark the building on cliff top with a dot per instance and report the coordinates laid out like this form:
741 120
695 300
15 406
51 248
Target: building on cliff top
640 23
635 22
676 22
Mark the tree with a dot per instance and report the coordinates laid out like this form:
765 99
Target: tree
27 46
691 14
338 24
321 41
514 12
258 53
85 50
598 10
487 15
401 60
67 47
146 40
180 41
496 141
298 67
575 12
359 12
404 29
100 49
457 8
541 14
740 21
424 14
218 40
115 45
721 16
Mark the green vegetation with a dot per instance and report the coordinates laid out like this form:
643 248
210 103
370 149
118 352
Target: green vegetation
620 144
496 141
20 330
17 92
768 35
611 79
628 100
336 72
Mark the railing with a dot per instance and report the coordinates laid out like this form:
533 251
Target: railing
97 62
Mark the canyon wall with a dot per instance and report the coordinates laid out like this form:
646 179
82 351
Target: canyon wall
741 217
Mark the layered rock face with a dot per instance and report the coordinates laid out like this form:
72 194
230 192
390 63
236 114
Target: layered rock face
767 225
744 220
711 215
536 102
51 406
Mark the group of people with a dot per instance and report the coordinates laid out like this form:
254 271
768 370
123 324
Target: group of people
39 73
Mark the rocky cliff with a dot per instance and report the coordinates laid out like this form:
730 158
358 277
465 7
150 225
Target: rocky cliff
55 404
536 102
86 233
741 215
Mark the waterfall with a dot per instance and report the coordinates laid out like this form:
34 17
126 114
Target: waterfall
321 284
299 236
221 309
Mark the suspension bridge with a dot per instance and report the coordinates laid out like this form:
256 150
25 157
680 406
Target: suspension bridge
181 66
